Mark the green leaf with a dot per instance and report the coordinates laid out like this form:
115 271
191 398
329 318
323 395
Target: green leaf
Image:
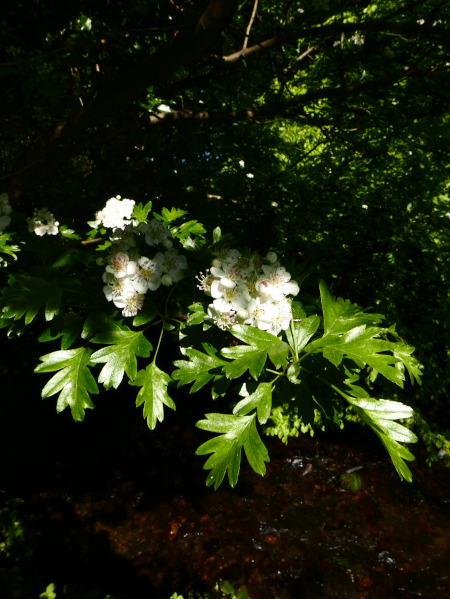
403 352
261 399
172 214
197 316
153 394
140 212
252 356
297 310
26 296
379 415
360 345
67 326
94 322
73 325
278 354
191 227
148 313
305 330
68 258
74 380
244 358
238 432
254 336
198 369
120 357
340 315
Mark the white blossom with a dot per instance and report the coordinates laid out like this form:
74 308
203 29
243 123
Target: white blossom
224 320
120 265
357 39
226 299
276 317
116 213
247 291
37 225
147 275
130 302
172 264
155 232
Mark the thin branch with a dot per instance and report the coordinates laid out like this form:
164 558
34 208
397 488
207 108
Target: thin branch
247 33
326 31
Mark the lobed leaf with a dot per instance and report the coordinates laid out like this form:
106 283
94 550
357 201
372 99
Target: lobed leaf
120 357
27 295
261 399
360 345
379 415
153 393
252 357
238 432
73 382
340 315
198 368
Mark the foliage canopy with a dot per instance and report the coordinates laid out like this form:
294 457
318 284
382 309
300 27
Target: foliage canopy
318 129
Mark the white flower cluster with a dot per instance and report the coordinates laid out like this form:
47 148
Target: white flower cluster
357 39
116 214
128 275
246 291
38 225
5 211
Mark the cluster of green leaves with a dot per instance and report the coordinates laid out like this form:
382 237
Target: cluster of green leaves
345 336
64 294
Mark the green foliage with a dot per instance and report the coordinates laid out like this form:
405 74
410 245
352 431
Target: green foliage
343 158
252 357
120 356
305 379
199 367
153 394
27 295
73 382
238 432
9 250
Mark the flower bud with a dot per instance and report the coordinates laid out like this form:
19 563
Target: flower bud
166 280
216 263
264 287
168 243
293 288
242 314
271 257
100 261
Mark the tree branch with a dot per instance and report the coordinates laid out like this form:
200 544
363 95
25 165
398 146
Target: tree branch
188 45
327 31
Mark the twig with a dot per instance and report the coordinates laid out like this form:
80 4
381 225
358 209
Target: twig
96 240
247 33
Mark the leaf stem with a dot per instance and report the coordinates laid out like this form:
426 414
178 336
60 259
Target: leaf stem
294 337
274 372
163 321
